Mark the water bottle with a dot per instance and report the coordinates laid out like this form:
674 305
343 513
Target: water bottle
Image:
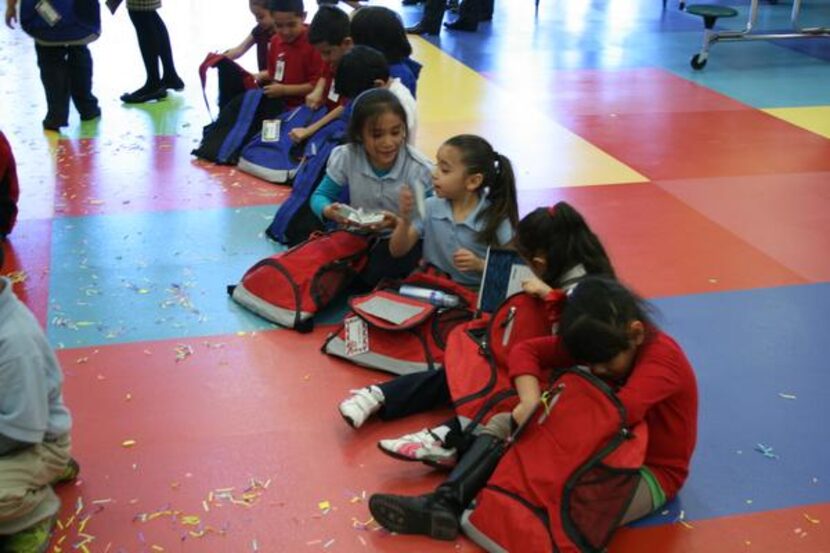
435 297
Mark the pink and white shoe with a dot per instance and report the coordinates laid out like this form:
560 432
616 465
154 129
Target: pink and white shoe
423 446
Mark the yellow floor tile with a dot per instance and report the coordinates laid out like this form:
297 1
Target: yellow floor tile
813 118
544 153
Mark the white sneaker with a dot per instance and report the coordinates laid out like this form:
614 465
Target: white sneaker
422 446
362 404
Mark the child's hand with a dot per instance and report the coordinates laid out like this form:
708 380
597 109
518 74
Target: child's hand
406 202
299 134
535 287
314 99
390 221
11 15
465 260
274 90
331 212
262 78
522 412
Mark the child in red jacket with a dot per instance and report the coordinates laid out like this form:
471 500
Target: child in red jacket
9 191
606 328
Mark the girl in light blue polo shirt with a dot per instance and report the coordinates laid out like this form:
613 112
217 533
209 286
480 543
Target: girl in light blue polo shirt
371 170
474 207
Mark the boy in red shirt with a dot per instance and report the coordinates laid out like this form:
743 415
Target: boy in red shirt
294 65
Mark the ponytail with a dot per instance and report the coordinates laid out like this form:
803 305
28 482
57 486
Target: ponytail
498 183
563 237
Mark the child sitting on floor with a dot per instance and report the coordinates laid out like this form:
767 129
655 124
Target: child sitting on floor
294 65
34 429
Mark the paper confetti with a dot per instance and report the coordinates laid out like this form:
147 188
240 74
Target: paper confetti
766 451
787 396
811 519
183 351
128 443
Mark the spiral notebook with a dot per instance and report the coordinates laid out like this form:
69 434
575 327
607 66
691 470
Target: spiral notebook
504 272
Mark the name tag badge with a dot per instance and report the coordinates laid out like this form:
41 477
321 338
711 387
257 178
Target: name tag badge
333 96
357 336
279 71
47 11
271 130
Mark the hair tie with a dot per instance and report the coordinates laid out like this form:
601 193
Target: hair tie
496 162
552 210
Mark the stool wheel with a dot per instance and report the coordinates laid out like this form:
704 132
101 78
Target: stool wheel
698 63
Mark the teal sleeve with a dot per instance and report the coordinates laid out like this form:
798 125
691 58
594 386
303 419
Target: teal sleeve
326 193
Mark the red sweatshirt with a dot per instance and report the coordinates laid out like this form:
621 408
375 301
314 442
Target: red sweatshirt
661 389
300 63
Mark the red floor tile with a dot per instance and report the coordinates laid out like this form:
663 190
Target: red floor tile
160 176
27 253
624 91
704 144
785 216
663 247
255 406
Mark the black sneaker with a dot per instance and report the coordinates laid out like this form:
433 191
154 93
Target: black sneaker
422 515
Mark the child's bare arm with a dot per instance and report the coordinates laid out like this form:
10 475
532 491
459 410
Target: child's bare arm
301 133
238 51
275 90
405 236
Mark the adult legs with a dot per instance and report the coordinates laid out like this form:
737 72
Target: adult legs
469 14
80 82
54 74
430 23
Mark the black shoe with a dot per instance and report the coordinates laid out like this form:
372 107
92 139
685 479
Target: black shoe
423 515
144 94
462 25
52 125
91 114
421 29
173 83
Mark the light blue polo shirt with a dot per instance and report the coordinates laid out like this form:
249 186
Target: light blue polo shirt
443 237
31 403
349 166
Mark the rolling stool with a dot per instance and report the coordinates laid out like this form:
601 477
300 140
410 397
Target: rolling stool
710 14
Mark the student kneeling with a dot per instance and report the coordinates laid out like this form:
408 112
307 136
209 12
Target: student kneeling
34 429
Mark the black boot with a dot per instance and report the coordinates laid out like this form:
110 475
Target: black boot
468 16
436 515
430 24
486 10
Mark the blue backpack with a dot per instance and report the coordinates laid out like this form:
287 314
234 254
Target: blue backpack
277 160
294 221
61 21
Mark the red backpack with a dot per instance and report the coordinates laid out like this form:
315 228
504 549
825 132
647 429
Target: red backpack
411 345
475 360
289 288
9 188
567 481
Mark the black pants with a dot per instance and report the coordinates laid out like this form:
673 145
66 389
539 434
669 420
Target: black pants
382 265
66 72
469 10
154 43
414 393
